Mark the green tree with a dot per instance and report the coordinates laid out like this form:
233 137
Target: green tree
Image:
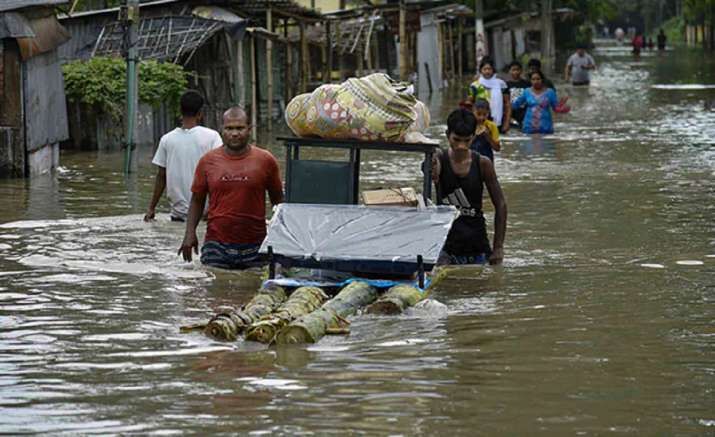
101 83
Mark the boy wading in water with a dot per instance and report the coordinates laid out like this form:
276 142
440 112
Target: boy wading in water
460 175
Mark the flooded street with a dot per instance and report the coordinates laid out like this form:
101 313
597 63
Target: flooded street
599 321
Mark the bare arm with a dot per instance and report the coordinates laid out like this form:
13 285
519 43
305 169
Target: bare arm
436 166
497 197
276 197
567 72
494 143
159 186
506 122
196 209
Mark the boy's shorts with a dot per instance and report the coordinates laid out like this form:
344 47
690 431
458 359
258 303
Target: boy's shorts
231 255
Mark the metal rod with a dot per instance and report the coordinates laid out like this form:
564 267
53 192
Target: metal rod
271 264
420 271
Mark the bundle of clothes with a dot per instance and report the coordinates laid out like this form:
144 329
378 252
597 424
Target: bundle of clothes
370 108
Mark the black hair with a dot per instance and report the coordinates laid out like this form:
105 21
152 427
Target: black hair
540 73
461 122
515 64
581 45
481 104
191 103
533 62
486 61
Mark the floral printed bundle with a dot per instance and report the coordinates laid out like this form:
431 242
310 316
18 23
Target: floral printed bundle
373 108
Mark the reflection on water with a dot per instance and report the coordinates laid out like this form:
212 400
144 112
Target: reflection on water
600 319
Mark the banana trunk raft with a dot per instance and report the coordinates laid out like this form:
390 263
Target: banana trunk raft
330 318
303 300
308 314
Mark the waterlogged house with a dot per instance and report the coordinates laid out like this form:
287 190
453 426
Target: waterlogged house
236 52
33 115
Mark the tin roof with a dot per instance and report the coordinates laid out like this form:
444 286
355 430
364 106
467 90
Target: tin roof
12 5
255 9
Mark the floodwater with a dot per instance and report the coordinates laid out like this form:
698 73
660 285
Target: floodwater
600 320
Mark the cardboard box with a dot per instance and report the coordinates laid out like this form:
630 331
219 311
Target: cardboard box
390 197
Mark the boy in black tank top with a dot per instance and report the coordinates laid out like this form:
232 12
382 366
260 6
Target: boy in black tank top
460 174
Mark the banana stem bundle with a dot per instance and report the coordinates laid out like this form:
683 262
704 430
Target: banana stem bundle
330 318
228 325
302 301
396 300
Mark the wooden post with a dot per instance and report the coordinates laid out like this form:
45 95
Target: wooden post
450 47
329 45
403 41
338 52
288 73
304 58
460 47
241 74
269 67
325 53
375 50
442 54
360 64
413 52
254 91
368 54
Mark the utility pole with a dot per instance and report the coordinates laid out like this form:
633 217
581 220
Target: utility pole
131 29
480 39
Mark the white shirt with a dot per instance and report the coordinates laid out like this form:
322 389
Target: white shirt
179 151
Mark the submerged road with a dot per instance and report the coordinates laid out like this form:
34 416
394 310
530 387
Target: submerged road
600 320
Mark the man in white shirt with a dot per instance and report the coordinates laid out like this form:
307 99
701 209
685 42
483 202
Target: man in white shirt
579 66
177 155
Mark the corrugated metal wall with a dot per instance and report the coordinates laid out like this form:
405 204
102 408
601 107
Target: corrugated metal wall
44 98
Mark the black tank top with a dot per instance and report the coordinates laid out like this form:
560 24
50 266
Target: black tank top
468 235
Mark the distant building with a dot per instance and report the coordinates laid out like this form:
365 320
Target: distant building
518 37
323 5
33 113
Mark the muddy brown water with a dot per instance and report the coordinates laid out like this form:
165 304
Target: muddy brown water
600 320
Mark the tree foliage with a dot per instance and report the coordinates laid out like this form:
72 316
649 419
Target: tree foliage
101 82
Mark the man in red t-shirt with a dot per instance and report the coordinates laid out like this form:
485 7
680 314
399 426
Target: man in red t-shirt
235 177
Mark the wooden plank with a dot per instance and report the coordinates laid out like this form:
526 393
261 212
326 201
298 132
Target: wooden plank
11 101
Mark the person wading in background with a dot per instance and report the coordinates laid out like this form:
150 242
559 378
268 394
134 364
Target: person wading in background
578 67
516 84
493 90
177 155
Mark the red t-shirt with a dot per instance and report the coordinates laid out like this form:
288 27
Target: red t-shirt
236 186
